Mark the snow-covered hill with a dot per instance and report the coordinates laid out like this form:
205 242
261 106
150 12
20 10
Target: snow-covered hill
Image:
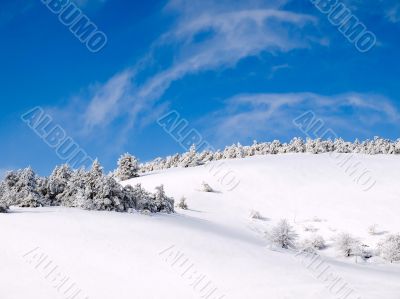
213 249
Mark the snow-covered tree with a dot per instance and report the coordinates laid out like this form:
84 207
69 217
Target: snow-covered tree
57 183
128 167
182 204
143 199
21 189
314 242
390 248
162 201
74 186
347 245
109 195
283 235
189 159
92 184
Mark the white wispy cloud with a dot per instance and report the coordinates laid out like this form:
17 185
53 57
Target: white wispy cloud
393 13
387 9
207 35
249 115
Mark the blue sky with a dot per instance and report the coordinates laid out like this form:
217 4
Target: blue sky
235 70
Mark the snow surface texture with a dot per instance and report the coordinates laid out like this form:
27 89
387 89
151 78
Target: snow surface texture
218 239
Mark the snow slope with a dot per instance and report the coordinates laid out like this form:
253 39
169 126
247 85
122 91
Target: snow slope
112 255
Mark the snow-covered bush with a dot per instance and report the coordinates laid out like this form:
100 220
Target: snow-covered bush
347 245
3 208
315 242
128 167
283 235
390 248
206 187
256 215
182 204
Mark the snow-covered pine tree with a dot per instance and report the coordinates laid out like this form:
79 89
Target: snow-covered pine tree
188 159
57 183
129 198
75 185
109 195
128 167
163 203
2 192
21 189
144 199
92 181
3 205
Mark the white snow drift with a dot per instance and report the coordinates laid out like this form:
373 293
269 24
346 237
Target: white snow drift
220 239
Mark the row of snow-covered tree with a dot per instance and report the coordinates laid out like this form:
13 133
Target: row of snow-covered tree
296 145
90 190
284 236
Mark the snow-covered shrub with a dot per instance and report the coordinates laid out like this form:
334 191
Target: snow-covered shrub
182 204
128 167
372 229
3 208
390 248
315 242
256 215
283 235
206 187
347 245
